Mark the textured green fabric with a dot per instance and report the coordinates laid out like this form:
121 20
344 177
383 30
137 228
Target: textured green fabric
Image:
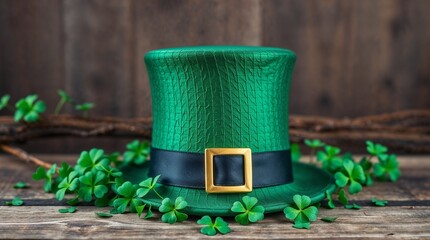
220 96
308 180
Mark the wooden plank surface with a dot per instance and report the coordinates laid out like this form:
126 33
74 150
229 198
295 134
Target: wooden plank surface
407 215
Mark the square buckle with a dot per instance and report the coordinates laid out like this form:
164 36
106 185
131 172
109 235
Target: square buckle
209 170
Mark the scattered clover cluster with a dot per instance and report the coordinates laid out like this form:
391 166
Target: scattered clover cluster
30 108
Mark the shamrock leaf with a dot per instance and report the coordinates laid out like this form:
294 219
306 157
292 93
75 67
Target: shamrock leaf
21 185
137 152
379 203
330 202
89 161
64 170
353 206
314 143
295 152
352 173
140 209
92 185
329 158
85 107
103 215
367 167
211 228
4 101
343 199
170 210
70 183
15 202
388 167
250 211
64 98
42 174
29 109
127 196
375 149
67 210
147 185
301 212
329 219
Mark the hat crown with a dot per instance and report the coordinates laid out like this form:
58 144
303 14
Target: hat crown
220 96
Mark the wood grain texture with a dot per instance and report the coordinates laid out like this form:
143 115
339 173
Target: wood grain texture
406 216
353 57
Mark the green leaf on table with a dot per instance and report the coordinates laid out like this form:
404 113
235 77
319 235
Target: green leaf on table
147 185
379 203
47 175
211 228
15 202
295 152
387 168
92 184
329 219
376 149
330 201
85 106
103 215
314 143
301 211
29 109
171 210
343 199
70 183
367 167
4 101
351 173
137 152
21 184
353 206
67 210
140 209
127 197
249 210
330 158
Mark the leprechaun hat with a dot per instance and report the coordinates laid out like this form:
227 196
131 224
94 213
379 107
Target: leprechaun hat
220 129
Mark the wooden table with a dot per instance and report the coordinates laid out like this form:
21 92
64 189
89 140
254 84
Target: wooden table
406 216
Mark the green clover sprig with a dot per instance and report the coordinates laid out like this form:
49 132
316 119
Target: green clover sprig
93 185
387 168
172 211
29 109
137 152
85 108
211 228
330 158
301 211
249 210
313 144
351 173
47 175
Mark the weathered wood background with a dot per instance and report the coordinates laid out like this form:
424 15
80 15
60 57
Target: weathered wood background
354 57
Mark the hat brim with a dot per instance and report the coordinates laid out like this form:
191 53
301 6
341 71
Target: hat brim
308 180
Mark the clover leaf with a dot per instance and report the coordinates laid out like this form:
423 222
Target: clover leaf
249 210
4 102
314 143
16 201
388 167
367 165
375 149
64 170
330 202
171 210
140 209
127 196
64 98
137 152
21 184
379 203
148 185
42 174
329 219
295 152
103 215
211 228
353 206
301 212
89 161
329 158
70 183
351 173
92 185
67 210
29 109
85 107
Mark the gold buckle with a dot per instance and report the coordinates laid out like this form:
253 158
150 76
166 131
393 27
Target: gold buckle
209 169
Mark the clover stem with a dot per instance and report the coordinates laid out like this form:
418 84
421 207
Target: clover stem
59 106
155 191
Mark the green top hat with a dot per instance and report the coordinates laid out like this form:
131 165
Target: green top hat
220 129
